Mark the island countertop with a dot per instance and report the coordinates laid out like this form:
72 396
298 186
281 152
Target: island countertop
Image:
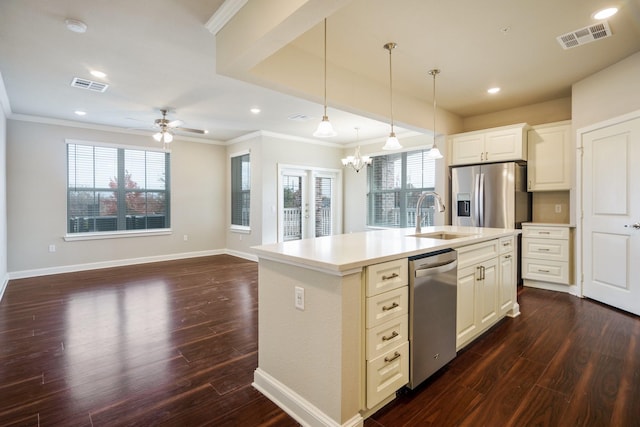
345 253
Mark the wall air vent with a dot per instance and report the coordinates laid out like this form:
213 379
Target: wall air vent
89 84
585 35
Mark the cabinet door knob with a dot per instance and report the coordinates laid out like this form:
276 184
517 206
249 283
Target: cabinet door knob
636 225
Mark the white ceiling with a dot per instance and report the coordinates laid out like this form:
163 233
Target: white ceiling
159 54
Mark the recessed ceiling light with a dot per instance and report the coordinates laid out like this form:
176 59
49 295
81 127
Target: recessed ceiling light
75 25
97 73
605 13
493 90
255 110
80 113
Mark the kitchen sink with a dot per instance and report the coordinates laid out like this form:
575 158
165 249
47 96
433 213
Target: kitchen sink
443 235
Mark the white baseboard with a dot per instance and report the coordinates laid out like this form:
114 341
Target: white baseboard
295 405
114 263
3 285
546 285
244 255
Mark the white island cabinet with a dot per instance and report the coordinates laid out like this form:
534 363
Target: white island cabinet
333 316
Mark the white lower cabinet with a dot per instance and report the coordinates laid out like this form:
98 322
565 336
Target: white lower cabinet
486 287
387 330
508 275
387 373
547 255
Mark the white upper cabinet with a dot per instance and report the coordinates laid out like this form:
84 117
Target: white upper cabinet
500 144
550 158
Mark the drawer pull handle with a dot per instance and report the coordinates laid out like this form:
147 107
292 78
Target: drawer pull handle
507 256
392 336
506 244
391 307
543 232
543 249
393 276
391 359
543 271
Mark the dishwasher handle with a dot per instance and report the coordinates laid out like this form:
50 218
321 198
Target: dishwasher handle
436 268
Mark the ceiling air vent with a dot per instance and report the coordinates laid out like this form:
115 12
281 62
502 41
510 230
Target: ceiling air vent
585 35
298 117
89 84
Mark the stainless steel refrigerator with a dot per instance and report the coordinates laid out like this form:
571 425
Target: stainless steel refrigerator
490 195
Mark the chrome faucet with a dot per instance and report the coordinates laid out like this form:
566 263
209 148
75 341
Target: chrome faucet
439 204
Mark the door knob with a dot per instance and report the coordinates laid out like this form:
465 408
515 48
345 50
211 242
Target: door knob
636 225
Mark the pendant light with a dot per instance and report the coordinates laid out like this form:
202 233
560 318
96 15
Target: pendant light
325 130
434 153
392 141
357 162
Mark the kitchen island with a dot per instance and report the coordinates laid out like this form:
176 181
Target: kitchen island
316 299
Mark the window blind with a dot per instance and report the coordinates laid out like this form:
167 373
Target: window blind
395 184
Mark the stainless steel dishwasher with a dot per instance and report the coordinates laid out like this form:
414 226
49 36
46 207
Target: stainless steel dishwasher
432 310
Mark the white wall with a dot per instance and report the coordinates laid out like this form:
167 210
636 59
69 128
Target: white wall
268 150
609 93
3 197
36 199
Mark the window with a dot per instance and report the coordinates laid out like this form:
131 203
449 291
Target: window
240 190
395 184
116 189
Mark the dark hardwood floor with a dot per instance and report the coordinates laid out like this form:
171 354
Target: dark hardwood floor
175 343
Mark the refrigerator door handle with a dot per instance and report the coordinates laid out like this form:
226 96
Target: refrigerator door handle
481 197
476 204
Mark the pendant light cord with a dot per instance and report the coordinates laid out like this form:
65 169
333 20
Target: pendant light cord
389 47
325 67
434 73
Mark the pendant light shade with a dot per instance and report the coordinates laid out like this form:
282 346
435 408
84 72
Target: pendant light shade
392 141
325 130
434 153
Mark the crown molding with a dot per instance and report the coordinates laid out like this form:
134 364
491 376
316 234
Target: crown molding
266 133
224 14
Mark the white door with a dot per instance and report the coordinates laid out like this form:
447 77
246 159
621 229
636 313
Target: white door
611 215
309 203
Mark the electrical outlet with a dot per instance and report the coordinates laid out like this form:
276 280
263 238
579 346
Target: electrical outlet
52 248
185 237
299 298
558 208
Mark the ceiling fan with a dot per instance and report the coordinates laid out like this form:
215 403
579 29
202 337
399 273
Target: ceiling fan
166 128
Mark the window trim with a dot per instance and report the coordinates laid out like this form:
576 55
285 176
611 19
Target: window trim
101 235
235 228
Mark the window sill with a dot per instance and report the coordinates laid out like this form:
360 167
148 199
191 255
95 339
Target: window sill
240 229
116 234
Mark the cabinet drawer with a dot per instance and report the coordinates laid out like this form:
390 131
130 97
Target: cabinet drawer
384 337
387 373
552 249
507 244
545 270
543 232
473 254
386 306
386 276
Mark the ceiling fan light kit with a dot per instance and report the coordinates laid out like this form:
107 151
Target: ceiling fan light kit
166 128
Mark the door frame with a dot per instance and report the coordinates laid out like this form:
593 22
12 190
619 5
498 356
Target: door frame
311 171
579 214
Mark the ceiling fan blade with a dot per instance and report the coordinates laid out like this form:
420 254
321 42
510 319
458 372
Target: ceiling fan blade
200 131
174 123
